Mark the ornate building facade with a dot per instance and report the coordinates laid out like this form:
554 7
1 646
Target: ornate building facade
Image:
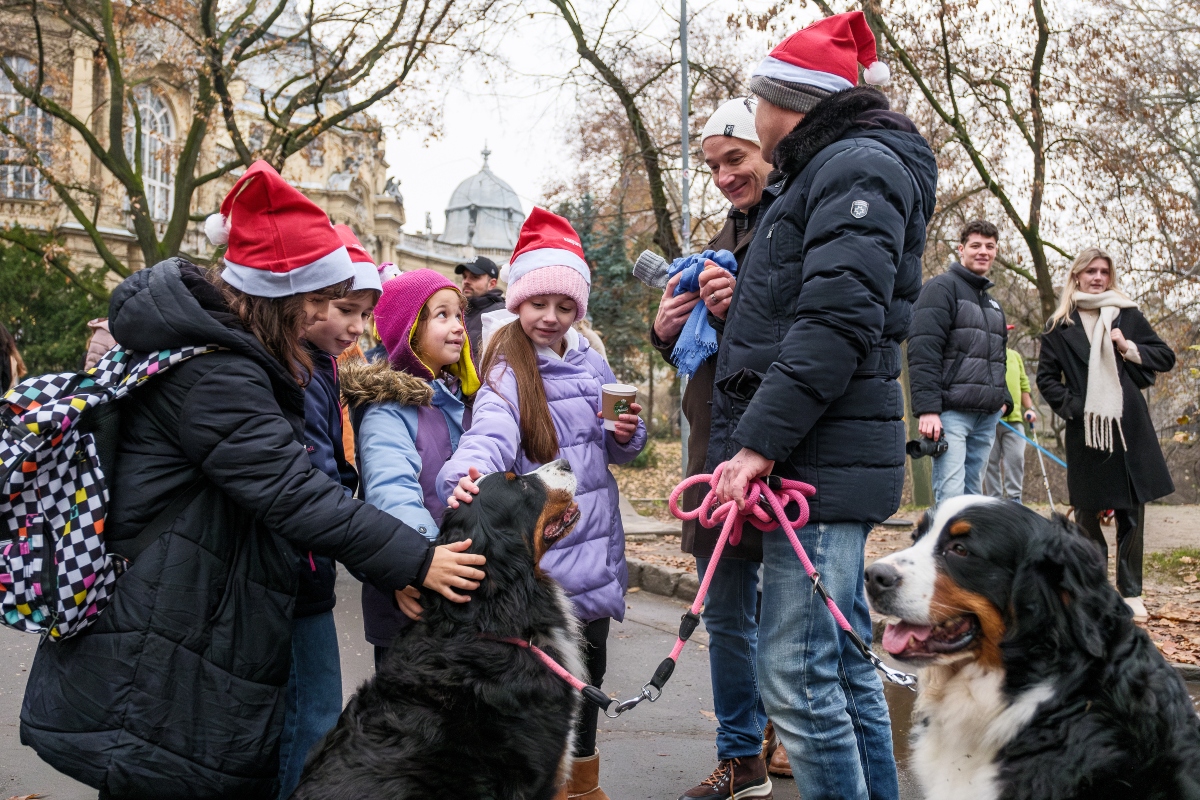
344 171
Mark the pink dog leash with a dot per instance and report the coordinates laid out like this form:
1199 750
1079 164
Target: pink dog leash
765 504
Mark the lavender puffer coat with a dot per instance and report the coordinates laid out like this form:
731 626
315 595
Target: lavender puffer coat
590 562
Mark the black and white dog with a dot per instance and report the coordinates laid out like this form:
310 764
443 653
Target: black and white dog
455 713
1035 683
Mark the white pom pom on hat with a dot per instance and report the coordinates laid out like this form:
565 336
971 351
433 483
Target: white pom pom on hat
216 228
878 74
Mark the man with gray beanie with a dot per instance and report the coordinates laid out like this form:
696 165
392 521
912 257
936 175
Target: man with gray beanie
732 153
807 388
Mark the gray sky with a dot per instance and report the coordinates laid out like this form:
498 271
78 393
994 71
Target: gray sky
523 118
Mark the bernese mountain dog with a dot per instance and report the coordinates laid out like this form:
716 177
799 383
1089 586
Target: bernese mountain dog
1034 682
455 712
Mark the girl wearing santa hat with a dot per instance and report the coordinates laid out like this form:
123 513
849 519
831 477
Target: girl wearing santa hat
541 401
178 689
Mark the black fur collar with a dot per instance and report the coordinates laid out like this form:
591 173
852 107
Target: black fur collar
824 125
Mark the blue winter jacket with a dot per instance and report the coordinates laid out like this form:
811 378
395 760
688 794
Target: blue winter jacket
405 429
323 440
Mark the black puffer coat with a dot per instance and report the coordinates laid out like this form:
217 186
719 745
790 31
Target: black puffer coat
957 346
807 368
1098 479
177 690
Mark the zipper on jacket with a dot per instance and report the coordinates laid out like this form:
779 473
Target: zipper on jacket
311 561
770 230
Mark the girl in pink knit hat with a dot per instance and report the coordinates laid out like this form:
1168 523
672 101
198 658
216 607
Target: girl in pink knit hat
541 401
408 413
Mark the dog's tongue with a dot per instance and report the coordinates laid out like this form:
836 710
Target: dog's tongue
897 634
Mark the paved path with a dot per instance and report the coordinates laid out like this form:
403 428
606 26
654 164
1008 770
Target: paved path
655 752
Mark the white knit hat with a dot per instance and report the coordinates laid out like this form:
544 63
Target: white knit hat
731 118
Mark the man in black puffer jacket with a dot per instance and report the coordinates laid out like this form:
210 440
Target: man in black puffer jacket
806 382
956 358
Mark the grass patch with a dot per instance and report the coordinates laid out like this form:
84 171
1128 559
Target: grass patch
1179 566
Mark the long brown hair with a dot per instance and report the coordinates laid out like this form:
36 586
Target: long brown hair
278 322
512 347
8 350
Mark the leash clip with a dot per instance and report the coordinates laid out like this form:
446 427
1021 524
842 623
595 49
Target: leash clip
905 679
617 707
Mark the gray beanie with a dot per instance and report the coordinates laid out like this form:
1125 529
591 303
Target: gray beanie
799 97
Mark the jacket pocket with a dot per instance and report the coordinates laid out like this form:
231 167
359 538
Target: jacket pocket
741 385
951 374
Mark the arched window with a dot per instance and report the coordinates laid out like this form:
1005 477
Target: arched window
157 138
33 131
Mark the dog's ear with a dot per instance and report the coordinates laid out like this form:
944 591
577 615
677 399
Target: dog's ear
1061 599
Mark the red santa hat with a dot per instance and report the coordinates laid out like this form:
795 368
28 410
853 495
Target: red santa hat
548 259
819 60
366 274
280 242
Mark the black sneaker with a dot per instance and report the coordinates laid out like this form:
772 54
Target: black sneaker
734 779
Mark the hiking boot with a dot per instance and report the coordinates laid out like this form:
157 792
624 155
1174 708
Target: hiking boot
1140 614
734 779
779 764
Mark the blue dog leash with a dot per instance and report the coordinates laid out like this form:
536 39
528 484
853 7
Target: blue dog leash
1041 449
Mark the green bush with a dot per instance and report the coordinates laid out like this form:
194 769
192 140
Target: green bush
646 458
44 311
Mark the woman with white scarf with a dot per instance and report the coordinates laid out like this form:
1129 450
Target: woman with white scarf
1098 353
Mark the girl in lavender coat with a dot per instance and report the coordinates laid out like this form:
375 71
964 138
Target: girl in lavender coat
540 401
408 414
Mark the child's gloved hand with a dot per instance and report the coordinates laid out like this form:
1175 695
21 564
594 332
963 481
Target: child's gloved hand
466 489
626 424
452 569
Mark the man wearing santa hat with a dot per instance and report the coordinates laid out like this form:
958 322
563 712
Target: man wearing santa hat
807 381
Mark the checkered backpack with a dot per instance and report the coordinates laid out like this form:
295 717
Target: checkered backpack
57 435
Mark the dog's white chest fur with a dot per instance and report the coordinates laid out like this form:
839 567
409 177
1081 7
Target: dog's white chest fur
962 719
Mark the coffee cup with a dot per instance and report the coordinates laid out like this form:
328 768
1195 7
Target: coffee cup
615 399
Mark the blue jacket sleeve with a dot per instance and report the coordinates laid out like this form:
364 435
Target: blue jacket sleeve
847 268
391 466
494 440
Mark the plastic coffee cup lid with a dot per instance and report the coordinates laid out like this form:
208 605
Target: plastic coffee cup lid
619 388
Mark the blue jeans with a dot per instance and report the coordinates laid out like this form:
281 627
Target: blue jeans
969 436
314 695
825 699
731 621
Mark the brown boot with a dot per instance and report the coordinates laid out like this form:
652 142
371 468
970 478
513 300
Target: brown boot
778 765
585 779
770 742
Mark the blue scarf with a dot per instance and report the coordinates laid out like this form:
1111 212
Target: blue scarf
697 341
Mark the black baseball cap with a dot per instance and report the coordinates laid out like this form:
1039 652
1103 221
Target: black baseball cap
480 266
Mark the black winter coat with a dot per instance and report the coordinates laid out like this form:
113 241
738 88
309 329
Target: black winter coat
957 346
177 690
809 360
473 319
1098 479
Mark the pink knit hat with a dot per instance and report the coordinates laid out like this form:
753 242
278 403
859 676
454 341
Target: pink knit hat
396 316
548 259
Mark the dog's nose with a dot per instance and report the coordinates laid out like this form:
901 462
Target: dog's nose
881 577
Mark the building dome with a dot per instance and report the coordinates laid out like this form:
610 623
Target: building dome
483 212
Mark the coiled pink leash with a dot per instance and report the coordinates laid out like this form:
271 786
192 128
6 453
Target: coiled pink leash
766 501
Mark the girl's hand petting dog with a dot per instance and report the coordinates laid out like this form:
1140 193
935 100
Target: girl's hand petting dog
452 569
626 423
466 489
409 600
